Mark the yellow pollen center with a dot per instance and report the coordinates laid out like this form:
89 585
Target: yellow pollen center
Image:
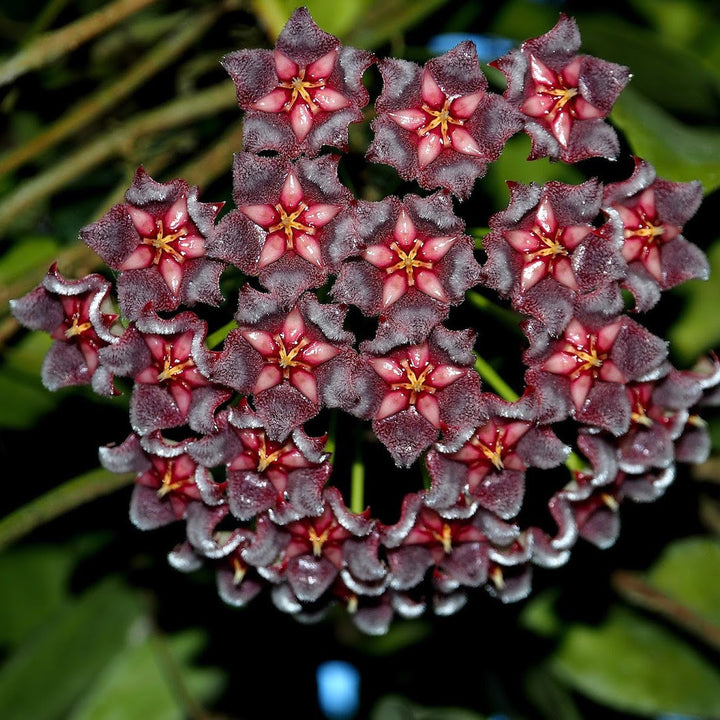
496 575
265 459
163 243
494 455
639 416
649 231
167 485
238 571
445 538
286 358
408 261
563 95
610 501
77 328
318 540
416 383
590 359
298 87
289 223
553 247
441 119
170 369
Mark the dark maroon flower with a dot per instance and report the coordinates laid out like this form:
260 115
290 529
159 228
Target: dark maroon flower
543 251
313 550
456 548
416 262
156 239
416 392
286 478
564 96
81 319
490 467
302 95
167 481
652 212
292 225
168 362
590 364
292 363
438 124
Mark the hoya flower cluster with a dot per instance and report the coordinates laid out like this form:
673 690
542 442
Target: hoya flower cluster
220 437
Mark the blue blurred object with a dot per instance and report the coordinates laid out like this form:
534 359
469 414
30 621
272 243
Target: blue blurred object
338 684
489 47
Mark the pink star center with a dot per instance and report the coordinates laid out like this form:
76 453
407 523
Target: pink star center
408 261
298 87
289 224
163 243
415 383
440 119
587 358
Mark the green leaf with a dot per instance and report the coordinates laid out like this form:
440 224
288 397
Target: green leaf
135 684
540 616
674 77
688 571
697 330
679 152
514 165
34 581
395 707
47 675
25 256
25 399
637 666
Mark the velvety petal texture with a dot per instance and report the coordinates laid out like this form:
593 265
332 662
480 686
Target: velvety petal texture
302 95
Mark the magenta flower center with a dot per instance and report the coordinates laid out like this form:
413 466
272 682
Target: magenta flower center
408 261
588 358
288 358
164 243
298 88
440 119
415 383
647 232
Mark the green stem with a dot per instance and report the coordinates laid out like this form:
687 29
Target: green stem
173 114
357 481
488 373
51 46
214 339
508 317
162 54
56 502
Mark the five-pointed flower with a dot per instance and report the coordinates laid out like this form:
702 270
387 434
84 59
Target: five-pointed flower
302 95
438 124
564 96
156 240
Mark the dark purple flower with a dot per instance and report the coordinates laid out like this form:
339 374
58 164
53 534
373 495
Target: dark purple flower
416 392
80 317
304 94
438 124
456 548
286 478
292 363
590 364
292 224
416 261
564 96
167 481
490 467
652 212
543 252
167 361
156 239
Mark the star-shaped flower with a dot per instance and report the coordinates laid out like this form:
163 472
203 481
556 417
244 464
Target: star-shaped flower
156 240
564 96
304 94
439 125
